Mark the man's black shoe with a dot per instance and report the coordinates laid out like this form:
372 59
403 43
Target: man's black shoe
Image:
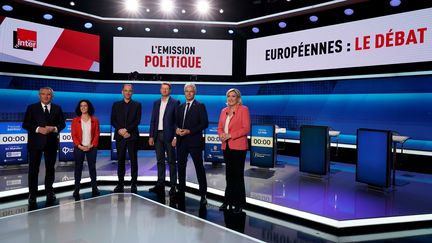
32 203
203 201
119 189
50 198
76 195
134 189
95 192
156 189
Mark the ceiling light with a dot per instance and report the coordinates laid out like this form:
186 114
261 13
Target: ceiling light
255 29
282 25
175 30
148 10
349 11
230 32
203 31
7 8
221 11
72 3
131 5
147 29
47 16
167 6
183 11
202 6
313 18
119 28
395 3
88 25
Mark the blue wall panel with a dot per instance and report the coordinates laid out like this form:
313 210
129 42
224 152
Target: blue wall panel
402 104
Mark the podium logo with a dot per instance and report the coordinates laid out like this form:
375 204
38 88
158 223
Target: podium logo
24 39
67 150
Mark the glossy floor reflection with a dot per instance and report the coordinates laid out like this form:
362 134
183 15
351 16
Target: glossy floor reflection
113 218
118 218
339 197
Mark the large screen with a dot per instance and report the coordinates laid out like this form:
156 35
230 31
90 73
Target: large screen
172 56
393 39
42 45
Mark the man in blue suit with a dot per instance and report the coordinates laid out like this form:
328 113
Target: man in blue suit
43 121
191 120
162 136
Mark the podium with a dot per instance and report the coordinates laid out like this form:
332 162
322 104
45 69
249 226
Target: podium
374 157
13 143
314 149
213 145
66 143
263 146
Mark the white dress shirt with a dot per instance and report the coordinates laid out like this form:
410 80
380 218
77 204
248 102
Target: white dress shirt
86 135
162 109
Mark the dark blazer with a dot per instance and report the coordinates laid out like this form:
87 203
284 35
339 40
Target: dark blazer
126 115
34 117
169 125
196 121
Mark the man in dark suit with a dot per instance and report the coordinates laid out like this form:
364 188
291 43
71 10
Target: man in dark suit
162 135
125 118
43 121
191 120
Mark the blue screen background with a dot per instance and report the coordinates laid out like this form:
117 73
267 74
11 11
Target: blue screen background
402 104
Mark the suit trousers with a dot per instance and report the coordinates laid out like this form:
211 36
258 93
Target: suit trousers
35 156
79 161
165 151
132 148
234 174
183 150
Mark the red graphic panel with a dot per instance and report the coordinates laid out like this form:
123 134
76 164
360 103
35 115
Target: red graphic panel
27 35
74 50
25 39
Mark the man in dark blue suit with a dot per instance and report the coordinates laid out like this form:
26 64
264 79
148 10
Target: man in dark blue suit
191 120
162 135
43 121
125 118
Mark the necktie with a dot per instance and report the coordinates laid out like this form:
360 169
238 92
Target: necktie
46 113
185 113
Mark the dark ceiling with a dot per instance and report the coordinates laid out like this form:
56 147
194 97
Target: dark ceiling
233 10
242 15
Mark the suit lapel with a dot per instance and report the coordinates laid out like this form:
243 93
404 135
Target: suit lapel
158 104
167 107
